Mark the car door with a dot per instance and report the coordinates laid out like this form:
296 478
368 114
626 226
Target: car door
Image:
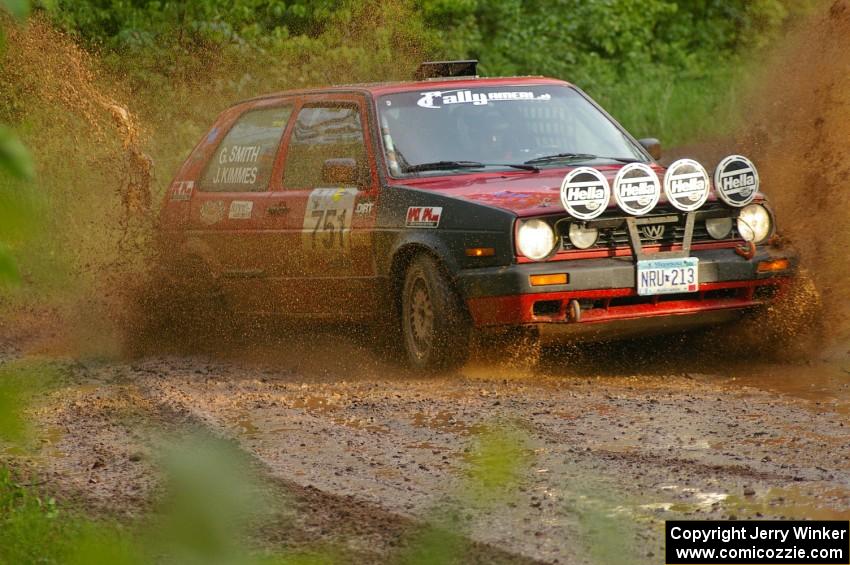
324 210
228 205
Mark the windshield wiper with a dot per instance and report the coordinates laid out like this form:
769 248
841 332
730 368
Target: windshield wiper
577 157
448 165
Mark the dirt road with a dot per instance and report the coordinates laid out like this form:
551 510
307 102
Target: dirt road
613 448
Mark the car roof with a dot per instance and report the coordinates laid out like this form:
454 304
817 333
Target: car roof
380 88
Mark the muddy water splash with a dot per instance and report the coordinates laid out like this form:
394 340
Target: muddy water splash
93 182
47 67
799 134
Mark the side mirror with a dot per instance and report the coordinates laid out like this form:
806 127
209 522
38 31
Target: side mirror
652 146
340 171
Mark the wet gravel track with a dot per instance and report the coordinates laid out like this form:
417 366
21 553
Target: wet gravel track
367 452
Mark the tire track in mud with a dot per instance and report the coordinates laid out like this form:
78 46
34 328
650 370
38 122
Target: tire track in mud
649 447
366 458
99 437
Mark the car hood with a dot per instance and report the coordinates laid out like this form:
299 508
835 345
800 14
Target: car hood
521 192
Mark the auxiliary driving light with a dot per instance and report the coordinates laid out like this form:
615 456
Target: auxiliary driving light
582 237
718 228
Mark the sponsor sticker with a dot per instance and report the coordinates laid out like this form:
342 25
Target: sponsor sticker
423 217
736 180
637 189
585 193
364 208
240 210
440 98
686 185
181 191
212 211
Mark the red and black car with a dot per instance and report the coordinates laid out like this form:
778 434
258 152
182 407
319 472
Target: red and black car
457 203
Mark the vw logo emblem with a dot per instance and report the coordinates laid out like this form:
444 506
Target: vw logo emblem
653 232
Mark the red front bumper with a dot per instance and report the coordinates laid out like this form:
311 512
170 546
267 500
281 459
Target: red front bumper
607 305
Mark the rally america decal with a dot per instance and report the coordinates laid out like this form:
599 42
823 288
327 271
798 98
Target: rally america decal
440 98
686 185
423 217
736 181
585 193
637 189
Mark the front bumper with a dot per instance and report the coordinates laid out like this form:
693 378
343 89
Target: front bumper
603 290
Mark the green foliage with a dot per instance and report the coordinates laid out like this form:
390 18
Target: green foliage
117 24
19 9
214 497
655 64
212 501
14 157
20 382
661 66
16 162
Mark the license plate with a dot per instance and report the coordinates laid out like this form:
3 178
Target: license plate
667 276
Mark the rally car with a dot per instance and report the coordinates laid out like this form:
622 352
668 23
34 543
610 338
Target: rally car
454 204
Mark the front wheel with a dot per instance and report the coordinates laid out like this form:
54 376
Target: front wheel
434 321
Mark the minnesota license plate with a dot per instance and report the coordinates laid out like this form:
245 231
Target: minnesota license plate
667 276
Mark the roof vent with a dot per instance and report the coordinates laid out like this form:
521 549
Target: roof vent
446 69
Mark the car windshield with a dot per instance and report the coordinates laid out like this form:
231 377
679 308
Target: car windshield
453 131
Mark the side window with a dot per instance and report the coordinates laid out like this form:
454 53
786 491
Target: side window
243 161
324 134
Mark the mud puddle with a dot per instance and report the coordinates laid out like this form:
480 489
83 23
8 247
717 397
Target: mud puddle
610 452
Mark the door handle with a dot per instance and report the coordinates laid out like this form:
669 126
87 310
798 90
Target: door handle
277 210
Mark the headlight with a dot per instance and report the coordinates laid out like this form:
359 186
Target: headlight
718 228
582 237
535 239
754 223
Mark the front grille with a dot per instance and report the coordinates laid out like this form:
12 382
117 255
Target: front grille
667 229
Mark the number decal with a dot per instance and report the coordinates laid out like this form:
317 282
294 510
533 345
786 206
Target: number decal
327 221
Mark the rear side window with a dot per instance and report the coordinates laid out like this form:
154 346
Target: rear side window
321 132
243 161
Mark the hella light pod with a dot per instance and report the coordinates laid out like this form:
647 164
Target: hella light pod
535 239
585 193
736 181
637 189
754 223
582 237
686 185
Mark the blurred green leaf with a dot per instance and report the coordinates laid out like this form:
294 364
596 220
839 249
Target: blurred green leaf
19 383
8 269
213 499
11 422
435 545
18 8
100 546
14 156
500 457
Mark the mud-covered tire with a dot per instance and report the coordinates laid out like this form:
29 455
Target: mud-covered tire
435 325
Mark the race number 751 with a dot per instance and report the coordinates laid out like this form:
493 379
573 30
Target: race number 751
329 228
